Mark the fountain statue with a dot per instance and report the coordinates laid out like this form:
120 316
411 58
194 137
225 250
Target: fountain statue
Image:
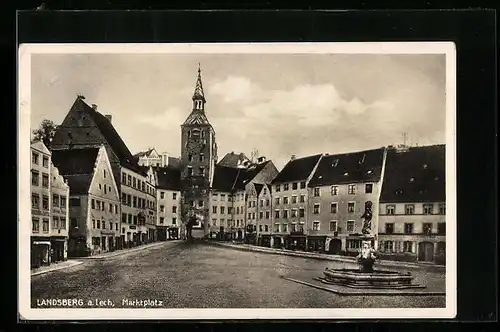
365 276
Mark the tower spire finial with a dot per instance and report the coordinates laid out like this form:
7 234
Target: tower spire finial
199 96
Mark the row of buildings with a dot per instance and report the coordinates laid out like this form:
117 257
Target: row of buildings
314 203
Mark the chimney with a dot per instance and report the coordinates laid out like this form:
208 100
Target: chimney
109 117
292 157
261 159
94 107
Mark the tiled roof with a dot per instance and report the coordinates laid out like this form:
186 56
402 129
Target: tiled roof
111 135
231 159
248 174
297 169
224 178
143 153
362 166
169 178
417 175
77 167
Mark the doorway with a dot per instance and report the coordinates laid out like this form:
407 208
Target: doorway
426 251
335 246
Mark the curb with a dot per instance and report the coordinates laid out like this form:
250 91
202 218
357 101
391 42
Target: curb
327 258
123 252
75 263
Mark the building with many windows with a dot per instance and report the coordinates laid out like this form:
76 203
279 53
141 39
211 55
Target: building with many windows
290 203
94 204
263 211
150 198
168 197
152 158
59 189
412 217
40 205
340 190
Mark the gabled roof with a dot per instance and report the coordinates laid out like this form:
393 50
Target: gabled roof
417 175
258 188
232 159
169 178
297 169
224 178
354 167
110 134
197 117
39 146
144 153
248 174
77 167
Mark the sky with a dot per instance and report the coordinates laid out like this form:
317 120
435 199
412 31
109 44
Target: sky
277 104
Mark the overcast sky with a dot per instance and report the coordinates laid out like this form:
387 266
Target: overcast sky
278 104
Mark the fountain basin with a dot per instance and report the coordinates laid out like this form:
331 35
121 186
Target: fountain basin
376 279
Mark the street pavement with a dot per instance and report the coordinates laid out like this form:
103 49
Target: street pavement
182 275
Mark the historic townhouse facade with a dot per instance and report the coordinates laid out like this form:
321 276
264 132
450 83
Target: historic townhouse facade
59 215
94 200
150 201
168 196
84 127
412 218
263 214
340 190
290 203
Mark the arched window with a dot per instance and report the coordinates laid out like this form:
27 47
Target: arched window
189 133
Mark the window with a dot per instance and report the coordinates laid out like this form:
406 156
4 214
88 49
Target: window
303 185
249 215
261 215
268 214
302 198
222 210
350 207
124 178
249 203
116 226
441 228
35 201
285 200
277 228
134 201
277 214
35 178
407 246
45 202
302 212
351 189
92 203
316 192
34 158
428 208
266 228
174 209
62 223
368 188
134 183
294 227
350 226
110 207
214 209
202 171
174 221
105 189
294 186
294 213
260 228
408 228
110 225
285 228
45 162
442 208
268 202
261 202
45 225
45 180
285 187
315 225
294 199
124 217
277 201
130 219
334 190
135 220
390 209
409 208
162 208
278 188
316 209
389 228
333 226
202 157
162 195
174 196
35 225
427 228
62 203
129 180
200 203
103 224
285 214
333 207
222 197
116 209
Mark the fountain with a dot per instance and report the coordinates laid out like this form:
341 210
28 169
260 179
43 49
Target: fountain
366 277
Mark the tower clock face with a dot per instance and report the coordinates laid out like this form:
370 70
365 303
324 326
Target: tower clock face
194 146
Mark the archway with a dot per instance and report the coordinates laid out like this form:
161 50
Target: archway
426 251
335 246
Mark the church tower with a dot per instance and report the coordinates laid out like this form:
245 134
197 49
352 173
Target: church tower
198 159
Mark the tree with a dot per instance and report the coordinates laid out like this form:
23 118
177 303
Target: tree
45 132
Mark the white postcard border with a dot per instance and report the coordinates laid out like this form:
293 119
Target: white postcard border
24 211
